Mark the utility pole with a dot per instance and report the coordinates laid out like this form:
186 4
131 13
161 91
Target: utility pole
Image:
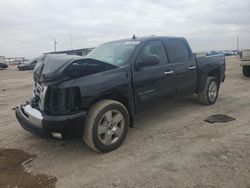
55 43
70 41
238 42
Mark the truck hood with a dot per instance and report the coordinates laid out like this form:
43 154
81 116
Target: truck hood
60 67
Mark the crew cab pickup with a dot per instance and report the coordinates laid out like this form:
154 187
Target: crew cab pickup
100 93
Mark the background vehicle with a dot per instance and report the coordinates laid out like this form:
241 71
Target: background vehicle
3 66
101 93
30 65
245 62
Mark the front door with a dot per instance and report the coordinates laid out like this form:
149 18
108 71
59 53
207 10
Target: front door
156 80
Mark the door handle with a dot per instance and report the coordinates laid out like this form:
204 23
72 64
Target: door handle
168 72
192 67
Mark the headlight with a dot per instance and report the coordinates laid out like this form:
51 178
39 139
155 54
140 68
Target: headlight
62 100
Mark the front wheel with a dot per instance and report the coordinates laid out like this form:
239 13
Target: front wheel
106 126
210 93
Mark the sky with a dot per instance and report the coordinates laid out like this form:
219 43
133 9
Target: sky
29 27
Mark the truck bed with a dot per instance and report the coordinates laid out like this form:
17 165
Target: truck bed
210 59
208 63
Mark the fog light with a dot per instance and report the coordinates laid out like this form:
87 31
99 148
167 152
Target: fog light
56 135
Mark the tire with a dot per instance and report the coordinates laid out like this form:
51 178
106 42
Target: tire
246 71
210 93
106 126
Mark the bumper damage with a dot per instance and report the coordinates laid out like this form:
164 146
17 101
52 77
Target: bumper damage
44 125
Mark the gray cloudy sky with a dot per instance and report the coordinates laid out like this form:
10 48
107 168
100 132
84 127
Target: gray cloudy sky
28 27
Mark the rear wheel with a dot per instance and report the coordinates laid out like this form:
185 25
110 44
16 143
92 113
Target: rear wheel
246 71
210 93
106 126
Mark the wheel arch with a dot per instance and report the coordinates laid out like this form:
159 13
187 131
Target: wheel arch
116 96
215 73
212 73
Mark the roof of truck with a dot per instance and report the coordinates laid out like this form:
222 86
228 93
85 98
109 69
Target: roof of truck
145 38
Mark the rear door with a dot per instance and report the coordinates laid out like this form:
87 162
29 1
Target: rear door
184 65
153 81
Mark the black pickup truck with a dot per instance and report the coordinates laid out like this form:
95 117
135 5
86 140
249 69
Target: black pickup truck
99 94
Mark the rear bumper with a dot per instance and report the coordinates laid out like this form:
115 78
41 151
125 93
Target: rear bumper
245 63
39 123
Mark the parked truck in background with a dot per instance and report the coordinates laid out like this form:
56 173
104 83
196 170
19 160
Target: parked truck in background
99 94
245 62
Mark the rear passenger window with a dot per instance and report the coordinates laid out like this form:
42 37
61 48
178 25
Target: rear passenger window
154 48
177 50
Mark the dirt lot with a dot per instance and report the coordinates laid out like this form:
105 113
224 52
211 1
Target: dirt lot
170 146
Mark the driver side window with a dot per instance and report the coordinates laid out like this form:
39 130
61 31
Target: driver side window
154 48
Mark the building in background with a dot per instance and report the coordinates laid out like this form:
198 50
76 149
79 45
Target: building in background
15 60
81 52
2 59
21 60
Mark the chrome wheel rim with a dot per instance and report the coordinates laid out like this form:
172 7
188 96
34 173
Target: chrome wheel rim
111 127
212 91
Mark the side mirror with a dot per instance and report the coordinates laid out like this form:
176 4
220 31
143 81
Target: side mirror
148 61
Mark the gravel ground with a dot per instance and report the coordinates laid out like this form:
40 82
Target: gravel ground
170 146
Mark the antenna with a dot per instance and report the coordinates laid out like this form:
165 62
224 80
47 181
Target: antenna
238 42
70 41
134 37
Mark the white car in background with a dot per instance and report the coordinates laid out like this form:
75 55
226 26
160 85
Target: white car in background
245 62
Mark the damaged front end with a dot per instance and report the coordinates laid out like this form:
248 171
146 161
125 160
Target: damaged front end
54 109
56 101
59 101
53 112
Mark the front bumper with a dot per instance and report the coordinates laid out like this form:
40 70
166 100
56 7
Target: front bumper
44 125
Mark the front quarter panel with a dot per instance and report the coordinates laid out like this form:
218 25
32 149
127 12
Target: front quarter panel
102 84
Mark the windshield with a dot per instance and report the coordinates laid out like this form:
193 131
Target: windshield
115 53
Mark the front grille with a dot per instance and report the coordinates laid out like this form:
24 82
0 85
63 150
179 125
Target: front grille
39 93
36 95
